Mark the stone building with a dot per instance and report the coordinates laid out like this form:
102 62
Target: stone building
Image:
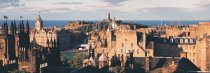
190 41
117 42
42 36
17 52
171 46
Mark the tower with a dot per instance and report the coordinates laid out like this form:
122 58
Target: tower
109 17
38 23
27 27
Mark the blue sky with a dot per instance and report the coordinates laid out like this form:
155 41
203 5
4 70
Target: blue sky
98 9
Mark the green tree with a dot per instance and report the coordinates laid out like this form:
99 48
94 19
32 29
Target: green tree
77 61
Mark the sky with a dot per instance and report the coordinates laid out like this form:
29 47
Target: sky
99 9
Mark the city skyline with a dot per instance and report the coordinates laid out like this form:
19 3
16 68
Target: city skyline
97 9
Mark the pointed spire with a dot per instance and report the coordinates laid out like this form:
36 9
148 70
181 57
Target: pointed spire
27 27
2 28
19 27
22 26
12 28
6 28
109 16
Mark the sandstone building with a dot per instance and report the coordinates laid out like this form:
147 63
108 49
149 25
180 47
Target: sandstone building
17 52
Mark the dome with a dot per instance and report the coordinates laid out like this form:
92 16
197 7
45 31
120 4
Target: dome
102 58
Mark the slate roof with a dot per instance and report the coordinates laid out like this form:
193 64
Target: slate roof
160 62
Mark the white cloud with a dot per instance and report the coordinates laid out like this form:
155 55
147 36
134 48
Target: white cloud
123 9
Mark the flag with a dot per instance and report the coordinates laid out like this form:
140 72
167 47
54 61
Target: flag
21 16
5 17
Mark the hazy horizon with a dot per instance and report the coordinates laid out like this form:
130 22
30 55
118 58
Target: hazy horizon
98 9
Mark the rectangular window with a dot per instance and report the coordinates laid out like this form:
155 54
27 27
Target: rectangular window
186 40
164 41
137 51
132 45
191 41
181 40
122 44
121 50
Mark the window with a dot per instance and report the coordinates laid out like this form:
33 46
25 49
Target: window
137 51
126 40
132 50
181 40
186 40
164 41
191 41
188 33
193 47
172 40
193 54
132 45
186 47
121 50
122 44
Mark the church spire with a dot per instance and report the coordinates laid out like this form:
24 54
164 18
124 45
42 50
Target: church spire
6 28
22 26
27 27
2 28
12 28
19 27
109 16
38 23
